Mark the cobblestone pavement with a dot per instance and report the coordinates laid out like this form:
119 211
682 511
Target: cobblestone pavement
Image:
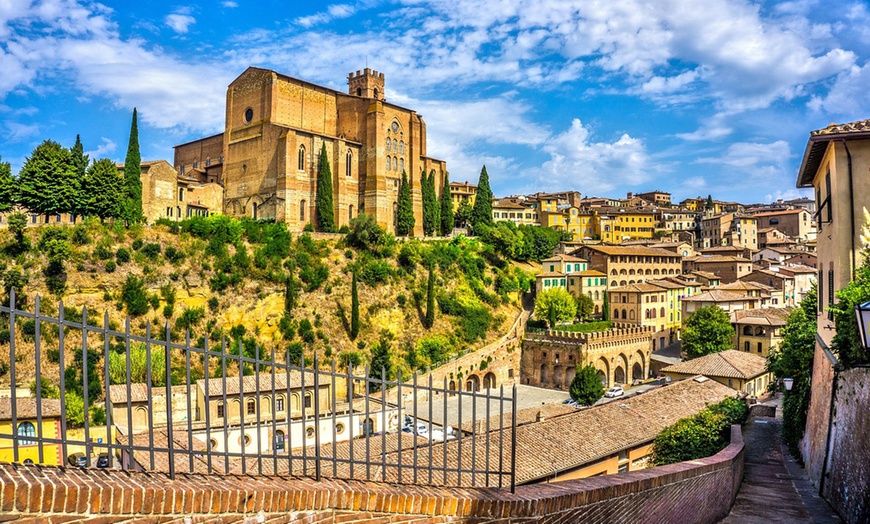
775 488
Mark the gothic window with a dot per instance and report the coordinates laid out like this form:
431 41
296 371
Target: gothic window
402 148
401 164
395 145
301 158
350 211
348 164
389 163
302 211
389 144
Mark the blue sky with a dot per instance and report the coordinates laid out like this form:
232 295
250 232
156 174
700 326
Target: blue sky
605 97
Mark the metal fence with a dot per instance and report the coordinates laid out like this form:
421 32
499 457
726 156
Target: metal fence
236 413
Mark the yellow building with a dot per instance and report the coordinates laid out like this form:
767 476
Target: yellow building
654 303
618 224
27 425
758 330
462 192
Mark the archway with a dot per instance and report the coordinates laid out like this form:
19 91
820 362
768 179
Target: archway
603 367
473 383
544 375
602 377
619 375
489 381
637 371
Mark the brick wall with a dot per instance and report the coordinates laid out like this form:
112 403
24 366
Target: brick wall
688 492
812 446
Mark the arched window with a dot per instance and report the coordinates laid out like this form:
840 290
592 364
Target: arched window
746 346
301 162
597 296
348 164
395 145
279 440
401 164
350 211
359 91
616 314
255 210
251 407
389 144
376 93
747 330
26 429
389 163
662 312
624 314
402 147
302 205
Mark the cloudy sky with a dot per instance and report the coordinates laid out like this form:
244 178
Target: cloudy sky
601 96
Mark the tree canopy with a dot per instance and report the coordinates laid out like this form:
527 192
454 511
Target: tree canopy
707 331
132 206
586 388
481 213
446 208
405 209
103 188
48 182
555 305
324 206
8 188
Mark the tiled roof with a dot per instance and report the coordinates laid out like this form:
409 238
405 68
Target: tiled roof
563 258
592 273
768 316
818 143
781 212
859 126
745 285
524 416
249 382
25 407
633 250
507 205
705 274
642 287
550 274
729 364
715 295
709 259
798 268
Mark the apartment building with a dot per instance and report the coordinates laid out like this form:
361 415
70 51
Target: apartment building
728 229
655 303
794 223
625 265
728 268
758 330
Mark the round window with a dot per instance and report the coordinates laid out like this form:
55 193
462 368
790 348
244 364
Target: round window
395 127
309 432
339 428
249 115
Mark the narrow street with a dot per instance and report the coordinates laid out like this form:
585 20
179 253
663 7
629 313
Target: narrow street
775 487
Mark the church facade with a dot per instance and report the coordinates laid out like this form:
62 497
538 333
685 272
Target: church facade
267 158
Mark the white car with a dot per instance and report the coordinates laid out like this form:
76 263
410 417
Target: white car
615 391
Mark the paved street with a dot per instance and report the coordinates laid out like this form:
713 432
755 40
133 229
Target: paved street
775 488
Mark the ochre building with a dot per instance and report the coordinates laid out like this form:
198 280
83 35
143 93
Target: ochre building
275 129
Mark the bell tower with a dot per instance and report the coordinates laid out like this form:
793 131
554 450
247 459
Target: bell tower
367 84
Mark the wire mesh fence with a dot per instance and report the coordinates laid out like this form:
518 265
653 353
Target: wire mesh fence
174 407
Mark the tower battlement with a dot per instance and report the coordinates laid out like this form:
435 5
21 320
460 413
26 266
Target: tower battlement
367 83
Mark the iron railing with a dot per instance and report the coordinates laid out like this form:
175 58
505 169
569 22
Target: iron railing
279 419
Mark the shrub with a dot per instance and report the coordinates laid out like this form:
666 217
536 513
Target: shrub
173 255
122 256
474 323
365 233
306 331
701 435
80 235
190 318
110 266
102 252
137 244
295 352
313 276
375 272
309 228
410 255
151 250
133 296
213 303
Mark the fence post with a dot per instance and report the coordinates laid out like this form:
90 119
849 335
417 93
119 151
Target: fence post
316 420
168 366
514 440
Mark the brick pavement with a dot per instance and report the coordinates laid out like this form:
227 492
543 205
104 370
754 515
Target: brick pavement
775 488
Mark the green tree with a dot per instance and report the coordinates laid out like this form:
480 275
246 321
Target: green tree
707 331
324 207
429 203
133 295
462 217
405 209
847 341
555 305
365 233
605 308
701 435
291 293
103 189
586 388
481 214
17 226
430 300
132 205
709 204
80 161
446 208
47 183
585 306
382 361
354 308
434 204
8 189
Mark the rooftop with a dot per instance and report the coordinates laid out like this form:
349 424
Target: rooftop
25 408
729 364
632 250
768 316
715 295
818 144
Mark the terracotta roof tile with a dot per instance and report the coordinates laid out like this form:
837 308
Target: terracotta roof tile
633 250
25 407
729 364
768 316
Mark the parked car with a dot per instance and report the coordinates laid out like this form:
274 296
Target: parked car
615 391
103 461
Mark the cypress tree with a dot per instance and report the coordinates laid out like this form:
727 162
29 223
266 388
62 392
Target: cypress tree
481 213
132 210
430 300
80 160
47 182
323 204
436 207
291 293
102 191
446 207
354 309
7 187
405 209
428 205
605 308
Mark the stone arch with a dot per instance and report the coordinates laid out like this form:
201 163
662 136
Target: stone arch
603 367
747 330
622 272
544 374
489 381
639 358
473 383
655 272
620 370
616 314
630 282
636 371
631 272
452 385
631 314
613 283
648 272
623 283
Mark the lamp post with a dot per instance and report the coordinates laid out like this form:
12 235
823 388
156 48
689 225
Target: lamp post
788 382
862 311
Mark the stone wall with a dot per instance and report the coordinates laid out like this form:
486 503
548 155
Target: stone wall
697 491
813 444
846 481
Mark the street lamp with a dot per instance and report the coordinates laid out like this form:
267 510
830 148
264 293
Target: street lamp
862 311
788 382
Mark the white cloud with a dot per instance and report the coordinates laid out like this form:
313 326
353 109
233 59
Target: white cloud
179 23
106 148
848 93
593 167
753 158
333 12
229 4
18 132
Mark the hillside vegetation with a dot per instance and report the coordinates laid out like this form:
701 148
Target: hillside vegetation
254 284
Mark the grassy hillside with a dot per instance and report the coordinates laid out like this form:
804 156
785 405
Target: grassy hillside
228 279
